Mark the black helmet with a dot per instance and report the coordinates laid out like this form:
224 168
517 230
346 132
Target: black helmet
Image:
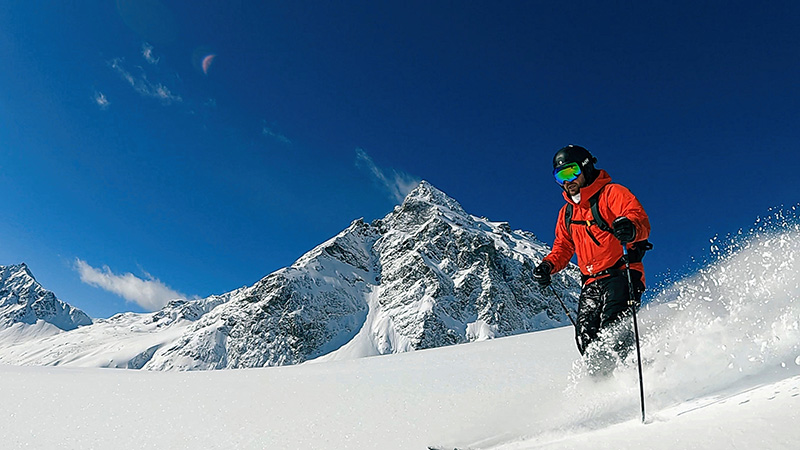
577 154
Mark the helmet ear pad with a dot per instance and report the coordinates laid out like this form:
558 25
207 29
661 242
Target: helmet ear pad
590 173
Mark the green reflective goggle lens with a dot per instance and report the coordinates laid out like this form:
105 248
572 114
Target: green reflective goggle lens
567 173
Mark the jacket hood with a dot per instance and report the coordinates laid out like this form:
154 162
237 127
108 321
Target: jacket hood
603 178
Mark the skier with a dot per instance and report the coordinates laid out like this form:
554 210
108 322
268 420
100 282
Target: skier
592 203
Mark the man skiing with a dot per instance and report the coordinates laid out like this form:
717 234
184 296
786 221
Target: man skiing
598 219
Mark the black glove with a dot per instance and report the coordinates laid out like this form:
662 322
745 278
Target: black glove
624 229
541 274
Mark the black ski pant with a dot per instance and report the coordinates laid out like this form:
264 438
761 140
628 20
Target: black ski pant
602 305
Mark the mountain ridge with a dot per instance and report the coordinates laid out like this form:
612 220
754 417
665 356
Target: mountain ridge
426 275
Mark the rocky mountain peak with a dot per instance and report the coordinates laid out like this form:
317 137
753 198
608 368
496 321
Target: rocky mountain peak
423 204
18 272
426 193
24 300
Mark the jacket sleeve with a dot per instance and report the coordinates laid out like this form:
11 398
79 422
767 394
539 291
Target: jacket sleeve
622 202
563 246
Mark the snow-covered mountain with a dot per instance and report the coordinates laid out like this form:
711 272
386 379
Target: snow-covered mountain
23 301
427 275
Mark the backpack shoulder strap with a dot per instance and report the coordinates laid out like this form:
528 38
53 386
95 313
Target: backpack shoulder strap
568 218
598 218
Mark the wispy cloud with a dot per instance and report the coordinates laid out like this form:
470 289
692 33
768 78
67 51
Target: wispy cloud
150 293
144 86
399 184
147 53
269 132
101 100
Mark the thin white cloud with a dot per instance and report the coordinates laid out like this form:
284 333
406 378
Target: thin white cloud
399 184
101 100
147 53
151 294
144 86
269 132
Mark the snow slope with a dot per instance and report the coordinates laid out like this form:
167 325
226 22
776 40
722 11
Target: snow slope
723 371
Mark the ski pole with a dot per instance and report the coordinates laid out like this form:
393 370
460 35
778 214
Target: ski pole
566 310
632 304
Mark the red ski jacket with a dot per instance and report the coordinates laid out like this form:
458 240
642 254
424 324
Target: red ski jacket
614 201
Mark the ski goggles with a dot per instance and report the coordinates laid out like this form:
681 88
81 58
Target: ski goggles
566 173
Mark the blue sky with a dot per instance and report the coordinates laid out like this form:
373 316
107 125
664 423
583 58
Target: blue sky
126 166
